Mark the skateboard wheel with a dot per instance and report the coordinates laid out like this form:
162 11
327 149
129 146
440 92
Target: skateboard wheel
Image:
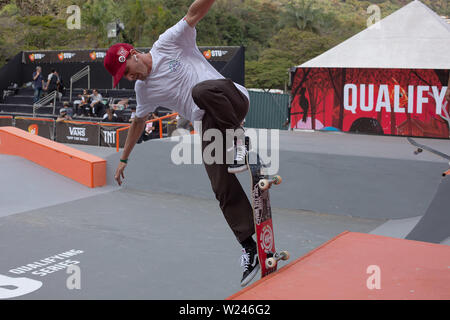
277 179
263 184
271 263
285 255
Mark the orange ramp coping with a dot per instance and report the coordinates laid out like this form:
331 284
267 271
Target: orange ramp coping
80 166
338 270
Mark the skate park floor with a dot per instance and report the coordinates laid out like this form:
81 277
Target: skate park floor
162 235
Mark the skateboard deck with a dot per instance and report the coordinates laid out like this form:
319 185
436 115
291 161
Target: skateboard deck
262 215
421 147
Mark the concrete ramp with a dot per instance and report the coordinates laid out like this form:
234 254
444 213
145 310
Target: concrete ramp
360 267
435 224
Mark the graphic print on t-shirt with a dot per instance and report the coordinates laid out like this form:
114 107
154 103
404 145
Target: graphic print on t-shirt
174 65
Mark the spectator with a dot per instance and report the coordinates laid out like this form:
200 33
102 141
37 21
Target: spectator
52 81
183 123
97 103
151 130
133 113
63 116
60 86
68 108
38 84
121 105
82 107
110 116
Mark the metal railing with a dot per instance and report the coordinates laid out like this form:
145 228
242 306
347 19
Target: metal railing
118 131
44 101
86 71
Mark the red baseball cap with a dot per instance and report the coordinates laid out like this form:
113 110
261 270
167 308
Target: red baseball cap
116 60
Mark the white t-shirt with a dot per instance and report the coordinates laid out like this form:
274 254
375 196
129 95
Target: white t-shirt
96 98
178 66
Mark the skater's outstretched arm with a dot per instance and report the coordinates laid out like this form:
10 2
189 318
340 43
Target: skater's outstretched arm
197 10
135 131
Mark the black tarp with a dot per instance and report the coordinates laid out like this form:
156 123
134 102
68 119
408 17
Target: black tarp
11 73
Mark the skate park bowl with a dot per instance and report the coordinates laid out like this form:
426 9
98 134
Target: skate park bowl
137 241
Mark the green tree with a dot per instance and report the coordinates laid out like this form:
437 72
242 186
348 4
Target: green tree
260 20
300 14
277 34
287 49
159 19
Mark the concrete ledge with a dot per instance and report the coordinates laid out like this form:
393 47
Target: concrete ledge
77 165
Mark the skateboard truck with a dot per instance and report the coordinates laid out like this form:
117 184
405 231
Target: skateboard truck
273 258
265 184
422 147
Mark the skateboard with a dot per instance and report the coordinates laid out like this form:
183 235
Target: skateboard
422 147
262 214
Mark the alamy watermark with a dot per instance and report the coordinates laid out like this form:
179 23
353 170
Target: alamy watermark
374 281
74 20
74 280
263 142
375 17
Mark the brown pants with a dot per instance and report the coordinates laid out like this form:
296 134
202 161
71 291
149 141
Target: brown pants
225 108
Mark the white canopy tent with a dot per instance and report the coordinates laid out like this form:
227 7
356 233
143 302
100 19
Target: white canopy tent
413 37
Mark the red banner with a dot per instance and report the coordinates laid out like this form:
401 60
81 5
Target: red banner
405 102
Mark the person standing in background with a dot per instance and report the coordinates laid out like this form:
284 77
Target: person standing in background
38 84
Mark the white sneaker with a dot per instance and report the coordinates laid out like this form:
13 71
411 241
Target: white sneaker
250 263
240 158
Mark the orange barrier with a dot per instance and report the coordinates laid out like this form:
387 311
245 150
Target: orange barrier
345 268
80 166
153 120
40 119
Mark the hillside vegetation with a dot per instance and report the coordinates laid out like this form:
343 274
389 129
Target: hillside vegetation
277 34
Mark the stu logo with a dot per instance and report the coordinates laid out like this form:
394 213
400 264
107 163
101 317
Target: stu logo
16 287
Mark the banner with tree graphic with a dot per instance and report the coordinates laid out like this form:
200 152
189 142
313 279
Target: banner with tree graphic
404 102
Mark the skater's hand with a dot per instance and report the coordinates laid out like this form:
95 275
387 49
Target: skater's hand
119 173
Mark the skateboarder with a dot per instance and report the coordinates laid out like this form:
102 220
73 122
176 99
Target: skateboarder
176 75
